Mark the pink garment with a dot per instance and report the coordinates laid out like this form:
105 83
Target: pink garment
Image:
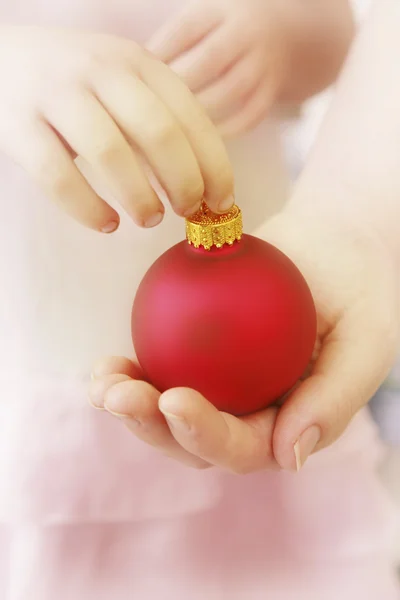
87 511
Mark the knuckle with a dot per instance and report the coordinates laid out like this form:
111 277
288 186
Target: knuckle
162 132
216 58
53 178
245 83
108 52
93 61
108 152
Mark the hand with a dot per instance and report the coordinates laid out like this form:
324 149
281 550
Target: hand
113 104
232 54
354 284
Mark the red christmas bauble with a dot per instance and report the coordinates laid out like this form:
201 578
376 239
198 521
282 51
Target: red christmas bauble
236 323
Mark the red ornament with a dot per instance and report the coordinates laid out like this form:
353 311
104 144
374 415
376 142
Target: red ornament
236 323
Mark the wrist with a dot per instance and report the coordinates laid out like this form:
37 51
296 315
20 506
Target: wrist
347 211
319 245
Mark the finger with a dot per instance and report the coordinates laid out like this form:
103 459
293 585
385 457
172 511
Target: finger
184 31
238 445
113 365
148 122
93 135
226 96
136 403
210 59
347 373
207 145
98 388
44 157
253 111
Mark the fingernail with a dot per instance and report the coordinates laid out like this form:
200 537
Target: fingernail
305 445
112 405
226 204
96 395
95 405
110 227
97 371
191 211
177 423
114 412
120 414
154 220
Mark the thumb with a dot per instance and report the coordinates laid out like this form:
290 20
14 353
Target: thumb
353 362
183 32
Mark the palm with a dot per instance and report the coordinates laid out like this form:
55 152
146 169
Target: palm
354 289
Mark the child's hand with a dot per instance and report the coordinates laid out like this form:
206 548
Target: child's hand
67 93
354 284
231 53
242 56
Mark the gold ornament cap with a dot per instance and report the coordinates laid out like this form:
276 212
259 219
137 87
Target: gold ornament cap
206 228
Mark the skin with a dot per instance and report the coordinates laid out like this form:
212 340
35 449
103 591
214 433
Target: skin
342 229
240 57
113 104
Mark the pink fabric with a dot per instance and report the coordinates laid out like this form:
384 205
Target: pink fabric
179 559
86 511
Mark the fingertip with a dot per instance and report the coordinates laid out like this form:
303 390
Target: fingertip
300 425
98 389
171 401
182 401
132 398
153 220
110 227
220 188
187 196
189 212
226 204
96 394
221 207
117 399
306 444
110 365
105 366
146 209
90 210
